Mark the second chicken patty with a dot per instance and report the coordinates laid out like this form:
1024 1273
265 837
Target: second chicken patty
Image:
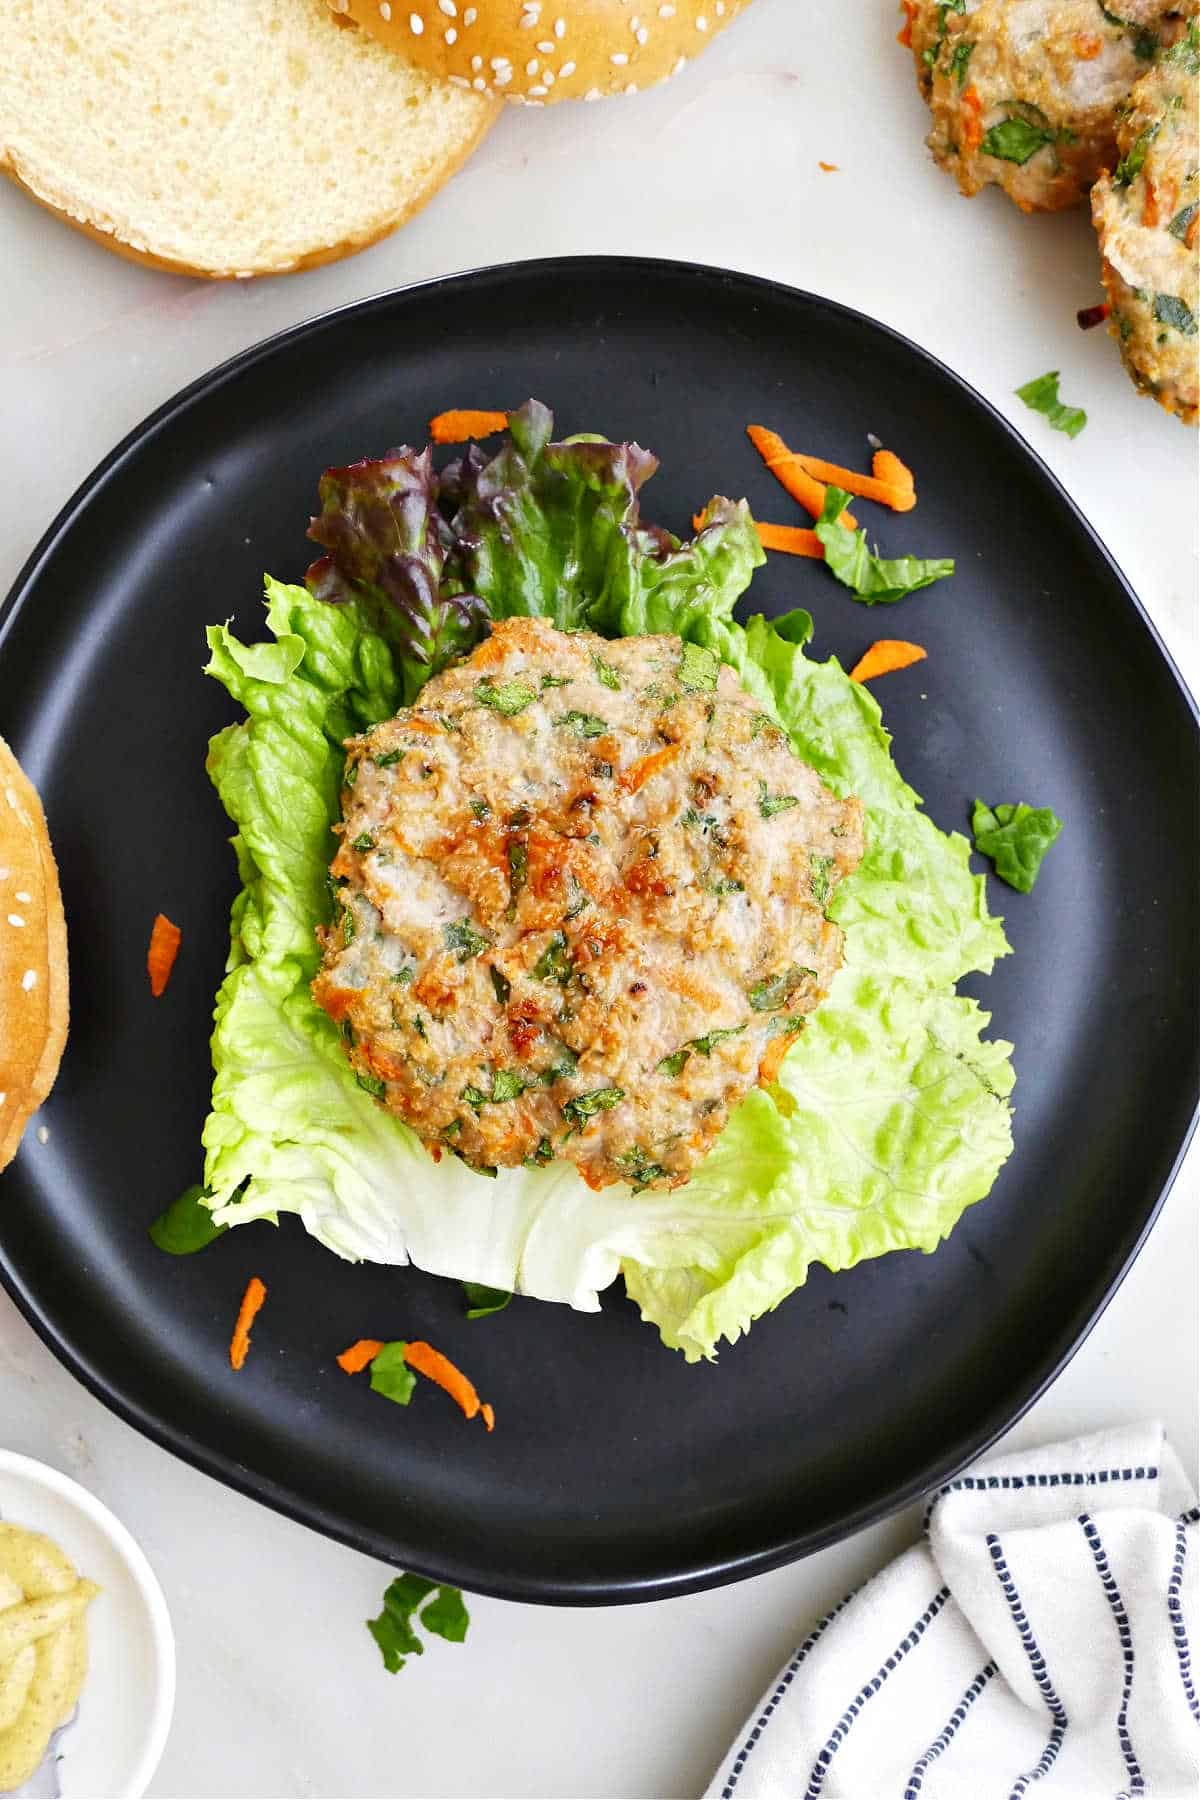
582 903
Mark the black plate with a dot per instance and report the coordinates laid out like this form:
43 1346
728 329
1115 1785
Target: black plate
616 1472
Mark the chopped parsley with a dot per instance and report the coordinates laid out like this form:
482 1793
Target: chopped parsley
770 804
606 675
465 939
1181 223
509 697
820 868
501 984
348 927
540 1157
481 809
722 885
1169 309
581 724
698 669
1015 838
387 759
350 774
364 843
445 1614
553 681
703 1046
475 1097
1132 163
507 1085
518 870
583 1107
1015 140
959 60
638 1166
1041 396
554 964
372 1084
775 992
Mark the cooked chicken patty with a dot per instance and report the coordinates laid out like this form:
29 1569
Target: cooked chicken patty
1146 215
1025 93
582 892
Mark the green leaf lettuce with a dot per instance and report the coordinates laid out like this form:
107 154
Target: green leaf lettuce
889 1115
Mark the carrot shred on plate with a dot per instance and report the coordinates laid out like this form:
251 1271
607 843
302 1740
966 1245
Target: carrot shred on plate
165 939
248 1311
638 773
488 1415
793 473
829 168
355 1359
794 540
904 35
900 497
885 656
886 466
459 424
431 1363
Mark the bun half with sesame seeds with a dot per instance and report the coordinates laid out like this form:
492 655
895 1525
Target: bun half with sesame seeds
223 137
33 956
532 52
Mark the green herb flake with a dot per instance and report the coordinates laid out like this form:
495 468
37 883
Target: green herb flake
475 1097
364 843
554 964
1169 309
465 939
1041 396
1015 838
581 724
1132 163
541 1156
875 580
371 1084
553 681
1015 140
775 992
348 927
770 804
481 810
509 697
1186 53
501 985
580 898
187 1225
705 1045
350 774
405 975
639 1167
419 1026
391 1375
507 1085
564 1065
698 669
722 885
444 1615
785 1027
820 876
583 1107
959 61
704 820
518 871
387 759
1181 223
674 1064
606 675
483 1301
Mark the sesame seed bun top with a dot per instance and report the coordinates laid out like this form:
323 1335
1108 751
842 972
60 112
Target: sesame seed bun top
532 52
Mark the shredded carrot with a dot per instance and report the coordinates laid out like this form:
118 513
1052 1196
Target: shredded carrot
488 1415
430 1362
886 466
795 540
885 656
248 1311
1150 212
904 35
972 107
888 493
829 168
638 774
792 473
1087 46
160 957
773 1055
456 426
355 1359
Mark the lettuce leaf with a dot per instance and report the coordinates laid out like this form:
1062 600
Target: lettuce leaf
889 1115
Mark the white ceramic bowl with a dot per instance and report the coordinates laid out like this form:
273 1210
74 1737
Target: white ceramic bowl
112 1748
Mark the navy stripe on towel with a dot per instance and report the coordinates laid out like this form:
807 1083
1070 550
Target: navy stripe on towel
1037 1664
1112 1594
945 1736
841 1730
785 1681
1064 1478
1175 1611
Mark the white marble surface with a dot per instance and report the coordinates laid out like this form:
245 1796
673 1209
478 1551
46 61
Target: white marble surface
281 1692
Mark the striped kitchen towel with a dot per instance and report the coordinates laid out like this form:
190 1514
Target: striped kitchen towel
1036 1641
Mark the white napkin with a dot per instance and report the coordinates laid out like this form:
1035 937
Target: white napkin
1036 1640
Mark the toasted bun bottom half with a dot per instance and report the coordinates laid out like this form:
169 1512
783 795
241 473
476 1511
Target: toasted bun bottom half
33 956
223 137
537 51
